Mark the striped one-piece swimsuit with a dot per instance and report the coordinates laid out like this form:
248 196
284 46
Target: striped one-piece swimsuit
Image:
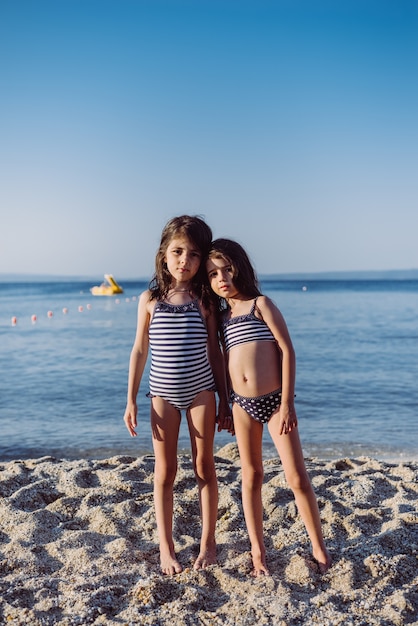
180 368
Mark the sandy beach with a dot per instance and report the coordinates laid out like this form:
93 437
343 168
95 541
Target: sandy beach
78 545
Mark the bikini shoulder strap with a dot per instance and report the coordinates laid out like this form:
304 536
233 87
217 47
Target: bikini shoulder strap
256 308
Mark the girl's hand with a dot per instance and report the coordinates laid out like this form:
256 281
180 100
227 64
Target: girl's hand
227 424
288 419
224 418
130 418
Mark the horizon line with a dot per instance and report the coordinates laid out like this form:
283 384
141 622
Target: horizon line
324 274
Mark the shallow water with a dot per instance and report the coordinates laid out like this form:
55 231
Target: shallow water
64 377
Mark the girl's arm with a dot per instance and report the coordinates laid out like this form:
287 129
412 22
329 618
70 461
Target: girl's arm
276 322
217 364
137 361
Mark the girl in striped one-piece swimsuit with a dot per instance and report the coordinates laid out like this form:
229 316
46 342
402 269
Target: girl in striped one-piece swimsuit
175 320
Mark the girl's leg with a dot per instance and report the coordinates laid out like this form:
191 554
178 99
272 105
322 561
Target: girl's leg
165 424
249 435
201 420
291 455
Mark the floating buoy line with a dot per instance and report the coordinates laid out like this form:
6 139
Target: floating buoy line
65 311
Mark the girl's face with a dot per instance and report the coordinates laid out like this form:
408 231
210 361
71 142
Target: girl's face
221 277
183 259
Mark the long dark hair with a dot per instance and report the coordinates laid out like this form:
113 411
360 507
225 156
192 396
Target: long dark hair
194 228
244 275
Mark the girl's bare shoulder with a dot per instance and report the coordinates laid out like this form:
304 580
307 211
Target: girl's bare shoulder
265 303
145 301
269 310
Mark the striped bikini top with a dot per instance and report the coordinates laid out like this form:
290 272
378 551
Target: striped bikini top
245 328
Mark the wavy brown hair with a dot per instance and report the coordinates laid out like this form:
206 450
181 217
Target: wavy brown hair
243 272
194 228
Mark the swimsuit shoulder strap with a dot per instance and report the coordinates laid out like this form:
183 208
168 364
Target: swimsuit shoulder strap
256 308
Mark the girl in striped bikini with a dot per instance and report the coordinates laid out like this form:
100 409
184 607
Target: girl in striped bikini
261 370
176 322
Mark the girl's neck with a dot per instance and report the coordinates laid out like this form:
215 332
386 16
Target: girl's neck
180 294
180 289
236 303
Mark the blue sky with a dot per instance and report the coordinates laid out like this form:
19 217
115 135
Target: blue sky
290 126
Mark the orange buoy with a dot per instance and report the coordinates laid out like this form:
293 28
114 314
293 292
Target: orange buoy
80 308
33 319
50 314
65 310
14 321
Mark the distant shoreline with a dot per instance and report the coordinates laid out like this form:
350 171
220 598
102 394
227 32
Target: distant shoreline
407 274
355 275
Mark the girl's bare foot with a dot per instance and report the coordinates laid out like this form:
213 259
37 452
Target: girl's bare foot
169 564
323 560
207 556
259 566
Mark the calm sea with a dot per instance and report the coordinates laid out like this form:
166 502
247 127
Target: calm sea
64 376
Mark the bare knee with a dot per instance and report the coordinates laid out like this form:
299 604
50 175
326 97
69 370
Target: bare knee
204 470
165 474
299 481
252 478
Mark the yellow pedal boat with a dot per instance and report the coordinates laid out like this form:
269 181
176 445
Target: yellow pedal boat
108 288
